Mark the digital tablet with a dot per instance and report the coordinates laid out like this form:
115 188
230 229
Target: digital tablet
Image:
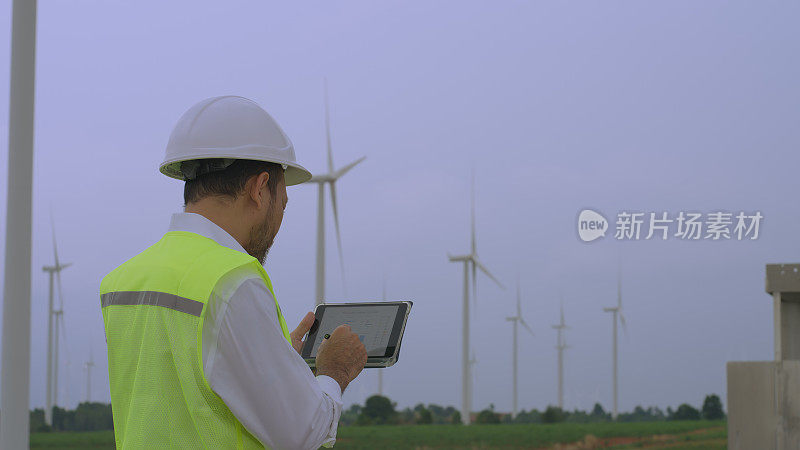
379 325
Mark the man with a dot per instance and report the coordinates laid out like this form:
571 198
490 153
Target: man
199 353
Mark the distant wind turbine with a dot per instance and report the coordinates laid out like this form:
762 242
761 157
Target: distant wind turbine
472 262
54 317
331 177
561 346
514 320
617 312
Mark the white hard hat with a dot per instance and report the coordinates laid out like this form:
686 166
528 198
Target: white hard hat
230 128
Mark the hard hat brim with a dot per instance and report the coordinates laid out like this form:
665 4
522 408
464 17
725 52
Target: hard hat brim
293 175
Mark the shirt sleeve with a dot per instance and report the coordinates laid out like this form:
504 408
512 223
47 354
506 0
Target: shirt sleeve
260 377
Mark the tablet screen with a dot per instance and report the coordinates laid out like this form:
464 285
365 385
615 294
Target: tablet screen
372 323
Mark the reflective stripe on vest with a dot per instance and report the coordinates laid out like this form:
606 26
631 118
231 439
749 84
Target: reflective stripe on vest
152 298
153 309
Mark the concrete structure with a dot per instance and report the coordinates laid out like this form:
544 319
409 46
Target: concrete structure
764 396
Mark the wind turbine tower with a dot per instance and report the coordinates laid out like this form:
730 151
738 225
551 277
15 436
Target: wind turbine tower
617 313
16 334
380 371
471 264
561 346
330 178
514 321
53 318
89 366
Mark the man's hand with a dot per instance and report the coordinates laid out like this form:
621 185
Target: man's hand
342 356
300 331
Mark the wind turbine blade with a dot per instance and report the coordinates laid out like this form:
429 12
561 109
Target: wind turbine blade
474 286
527 327
486 271
619 287
63 331
562 314
60 291
473 362
55 246
519 308
328 130
338 234
622 321
472 213
347 168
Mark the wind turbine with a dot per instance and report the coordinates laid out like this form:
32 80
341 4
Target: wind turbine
561 346
330 177
514 320
471 263
54 317
16 334
617 312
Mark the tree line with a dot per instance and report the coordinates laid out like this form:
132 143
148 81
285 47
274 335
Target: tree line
379 410
88 416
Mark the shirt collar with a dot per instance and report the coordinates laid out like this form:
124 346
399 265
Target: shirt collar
199 224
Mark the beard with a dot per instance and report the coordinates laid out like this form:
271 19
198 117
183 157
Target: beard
261 238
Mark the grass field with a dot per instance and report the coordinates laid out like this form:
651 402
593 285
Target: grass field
695 435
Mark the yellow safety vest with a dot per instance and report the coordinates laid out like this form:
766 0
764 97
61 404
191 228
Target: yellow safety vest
153 310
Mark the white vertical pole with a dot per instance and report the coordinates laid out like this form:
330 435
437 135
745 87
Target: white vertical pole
560 346
56 359
89 366
776 325
48 409
615 365
514 378
16 345
380 371
320 291
465 377
560 372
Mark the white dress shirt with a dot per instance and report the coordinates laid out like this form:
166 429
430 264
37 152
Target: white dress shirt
250 365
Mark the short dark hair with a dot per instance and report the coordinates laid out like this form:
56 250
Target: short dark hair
230 182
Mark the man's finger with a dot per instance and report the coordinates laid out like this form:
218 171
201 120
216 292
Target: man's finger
304 326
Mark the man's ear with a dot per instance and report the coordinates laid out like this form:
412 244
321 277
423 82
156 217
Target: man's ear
258 190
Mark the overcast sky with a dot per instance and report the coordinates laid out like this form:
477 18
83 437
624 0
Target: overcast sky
557 106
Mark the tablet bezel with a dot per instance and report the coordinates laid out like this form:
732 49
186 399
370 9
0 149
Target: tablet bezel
395 338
